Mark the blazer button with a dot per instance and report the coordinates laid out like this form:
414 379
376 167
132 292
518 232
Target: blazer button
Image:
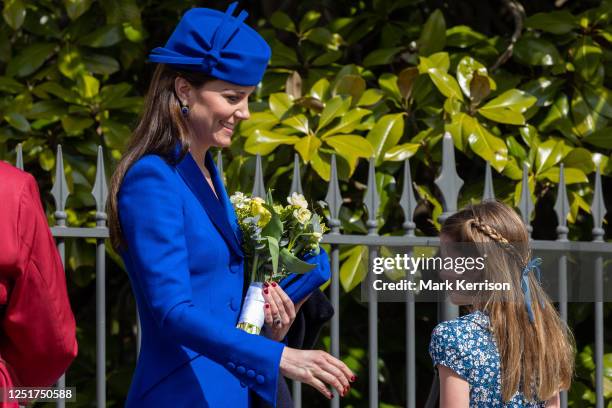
234 304
241 370
260 379
231 365
250 373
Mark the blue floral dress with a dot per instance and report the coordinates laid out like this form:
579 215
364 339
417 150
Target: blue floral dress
467 346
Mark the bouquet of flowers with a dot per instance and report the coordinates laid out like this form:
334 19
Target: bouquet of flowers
276 239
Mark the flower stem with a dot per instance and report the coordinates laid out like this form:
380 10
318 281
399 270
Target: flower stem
254 268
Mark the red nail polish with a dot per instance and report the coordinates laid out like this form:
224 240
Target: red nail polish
266 284
266 291
274 284
267 305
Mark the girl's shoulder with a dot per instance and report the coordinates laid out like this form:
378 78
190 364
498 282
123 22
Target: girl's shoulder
477 321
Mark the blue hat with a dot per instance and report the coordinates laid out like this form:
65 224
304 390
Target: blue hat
216 44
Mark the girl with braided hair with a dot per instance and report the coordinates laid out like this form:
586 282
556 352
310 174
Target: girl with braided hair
512 349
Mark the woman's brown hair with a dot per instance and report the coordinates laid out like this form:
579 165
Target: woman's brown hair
160 127
537 358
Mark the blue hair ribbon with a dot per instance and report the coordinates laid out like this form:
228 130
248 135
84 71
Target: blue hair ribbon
534 264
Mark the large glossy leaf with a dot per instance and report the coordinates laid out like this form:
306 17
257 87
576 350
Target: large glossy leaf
354 269
348 122
116 134
9 85
75 125
587 58
259 120
351 145
307 147
599 99
549 153
601 138
351 85
581 159
458 130
30 59
298 122
75 8
586 119
17 121
466 69
100 64
388 83
265 141
309 20
14 13
570 174
381 56
405 81
488 146
320 89
282 21
370 97
279 103
334 108
536 51
556 22
385 134
105 36
508 107
401 152
545 89
88 86
433 35
462 36
446 84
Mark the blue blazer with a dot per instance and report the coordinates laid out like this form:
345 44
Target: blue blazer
185 264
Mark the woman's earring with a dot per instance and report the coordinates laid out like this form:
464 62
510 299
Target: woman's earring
185 110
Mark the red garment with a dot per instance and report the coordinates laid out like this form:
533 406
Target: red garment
37 327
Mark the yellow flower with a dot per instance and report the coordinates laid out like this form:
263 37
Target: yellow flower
257 209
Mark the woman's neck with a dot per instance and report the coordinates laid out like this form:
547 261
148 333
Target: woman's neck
198 152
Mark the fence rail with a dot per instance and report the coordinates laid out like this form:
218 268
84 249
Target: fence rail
449 184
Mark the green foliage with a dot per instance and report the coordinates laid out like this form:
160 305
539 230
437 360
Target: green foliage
381 78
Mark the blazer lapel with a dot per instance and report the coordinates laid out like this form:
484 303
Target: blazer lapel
215 208
223 197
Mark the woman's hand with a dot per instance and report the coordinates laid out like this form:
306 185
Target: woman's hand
316 368
279 311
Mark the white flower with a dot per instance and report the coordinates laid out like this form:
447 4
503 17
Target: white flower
297 199
302 215
237 197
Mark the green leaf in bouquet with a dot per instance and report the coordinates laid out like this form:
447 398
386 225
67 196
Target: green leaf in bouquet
293 263
274 227
274 252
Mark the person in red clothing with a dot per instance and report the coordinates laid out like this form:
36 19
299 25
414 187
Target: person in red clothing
37 326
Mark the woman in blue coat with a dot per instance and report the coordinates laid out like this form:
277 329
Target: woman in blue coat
173 224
